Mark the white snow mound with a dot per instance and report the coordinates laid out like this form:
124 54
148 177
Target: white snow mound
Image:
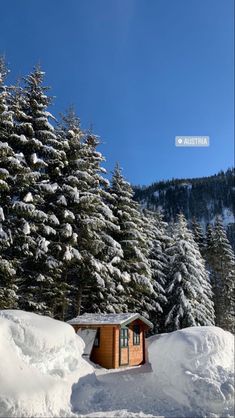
40 359
195 367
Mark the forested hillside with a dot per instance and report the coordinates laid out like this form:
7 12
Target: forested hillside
201 198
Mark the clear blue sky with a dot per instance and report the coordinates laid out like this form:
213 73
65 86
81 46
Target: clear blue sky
141 71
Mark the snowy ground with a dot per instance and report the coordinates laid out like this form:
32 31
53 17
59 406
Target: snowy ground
42 373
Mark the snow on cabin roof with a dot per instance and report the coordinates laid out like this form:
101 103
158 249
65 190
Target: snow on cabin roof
105 319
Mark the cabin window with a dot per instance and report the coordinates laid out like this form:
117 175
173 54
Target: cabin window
136 335
124 337
97 338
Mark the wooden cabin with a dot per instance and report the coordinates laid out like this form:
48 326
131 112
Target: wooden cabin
113 340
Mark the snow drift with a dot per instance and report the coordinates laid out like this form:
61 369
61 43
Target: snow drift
195 367
40 359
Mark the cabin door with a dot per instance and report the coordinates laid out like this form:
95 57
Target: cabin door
124 347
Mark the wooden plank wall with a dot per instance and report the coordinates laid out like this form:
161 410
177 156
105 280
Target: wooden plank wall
136 352
103 354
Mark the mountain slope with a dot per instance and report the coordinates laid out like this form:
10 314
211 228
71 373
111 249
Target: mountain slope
202 198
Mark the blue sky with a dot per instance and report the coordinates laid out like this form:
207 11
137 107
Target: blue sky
140 71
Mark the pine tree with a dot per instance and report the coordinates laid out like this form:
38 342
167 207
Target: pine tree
10 164
189 291
63 205
198 236
209 245
35 140
8 286
90 253
158 240
220 258
136 279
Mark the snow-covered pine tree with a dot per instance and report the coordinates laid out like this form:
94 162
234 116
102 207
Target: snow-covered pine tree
209 239
220 258
158 239
209 252
198 236
63 206
8 287
136 279
90 253
105 225
189 291
10 165
35 139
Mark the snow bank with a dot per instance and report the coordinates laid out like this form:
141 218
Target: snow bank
40 359
195 367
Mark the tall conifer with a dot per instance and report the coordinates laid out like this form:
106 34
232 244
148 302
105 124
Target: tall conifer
189 291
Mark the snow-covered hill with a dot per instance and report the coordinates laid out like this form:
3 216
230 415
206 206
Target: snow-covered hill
42 373
202 198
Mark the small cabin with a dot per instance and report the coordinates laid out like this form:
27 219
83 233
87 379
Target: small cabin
113 340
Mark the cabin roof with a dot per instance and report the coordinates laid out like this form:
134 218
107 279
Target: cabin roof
108 319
